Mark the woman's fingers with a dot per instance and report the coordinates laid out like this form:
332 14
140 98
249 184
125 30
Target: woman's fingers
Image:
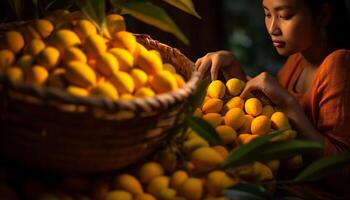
214 71
198 63
203 68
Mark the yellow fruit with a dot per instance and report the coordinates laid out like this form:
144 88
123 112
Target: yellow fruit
35 46
105 89
198 113
157 184
221 150
235 118
245 138
226 133
246 128
291 134
262 172
253 107
44 27
15 74
235 102
119 195
214 119
245 171
217 181
180 80
279 120
216 89
260 125
154 51
273 165
94 45
83 28
126 96
293 163
6 59
169 67
144 92
268 111
63 39
235 86
140 78
144 196
163 82
57 79
124 40
149 171
167 193
190 134
206 157
125 59
74 54
14 41
25 62
37 75
107 64
212 106
177 179
115 23
194 143
192 189
129 183
149 62
77 91
80 74
123 82
49 57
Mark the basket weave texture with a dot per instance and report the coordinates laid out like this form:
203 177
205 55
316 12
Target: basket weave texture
48 128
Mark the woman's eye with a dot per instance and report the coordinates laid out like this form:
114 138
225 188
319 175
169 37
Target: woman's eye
267 15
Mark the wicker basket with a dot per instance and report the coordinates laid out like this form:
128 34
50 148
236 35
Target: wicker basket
50 129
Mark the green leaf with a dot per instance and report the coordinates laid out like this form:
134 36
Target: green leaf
151 14
95 11
185 5
313 171
243 152
204 129
284 149
17 7
59 4
198 95
247 191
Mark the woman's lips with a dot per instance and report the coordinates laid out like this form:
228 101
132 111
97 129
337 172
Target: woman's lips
278 43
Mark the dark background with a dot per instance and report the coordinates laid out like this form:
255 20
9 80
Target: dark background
235 25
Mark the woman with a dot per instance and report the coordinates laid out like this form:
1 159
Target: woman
313 86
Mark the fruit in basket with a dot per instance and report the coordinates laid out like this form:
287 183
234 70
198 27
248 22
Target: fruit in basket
63 39
7 58
48 57
73 54
253 107
129 183
216 89
14 41
192 189
15 74
80 74
44 27
119 194
37 75
34 47
84 28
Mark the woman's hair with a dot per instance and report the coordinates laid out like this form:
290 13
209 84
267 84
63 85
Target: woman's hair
338 29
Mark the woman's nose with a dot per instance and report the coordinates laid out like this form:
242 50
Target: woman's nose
274 28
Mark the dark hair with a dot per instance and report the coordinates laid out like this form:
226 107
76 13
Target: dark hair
338 29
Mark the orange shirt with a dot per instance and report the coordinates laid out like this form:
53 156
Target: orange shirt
327 103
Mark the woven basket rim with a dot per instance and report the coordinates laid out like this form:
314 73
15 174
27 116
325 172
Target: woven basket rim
159 101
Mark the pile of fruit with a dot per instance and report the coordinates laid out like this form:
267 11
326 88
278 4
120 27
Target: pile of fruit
190 169
66 51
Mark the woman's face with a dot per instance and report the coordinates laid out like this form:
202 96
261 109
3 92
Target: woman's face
291 25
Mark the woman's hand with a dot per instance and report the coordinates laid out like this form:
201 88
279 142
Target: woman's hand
220 60
269 86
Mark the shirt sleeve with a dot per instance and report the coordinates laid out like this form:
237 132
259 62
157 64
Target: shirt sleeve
334 102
